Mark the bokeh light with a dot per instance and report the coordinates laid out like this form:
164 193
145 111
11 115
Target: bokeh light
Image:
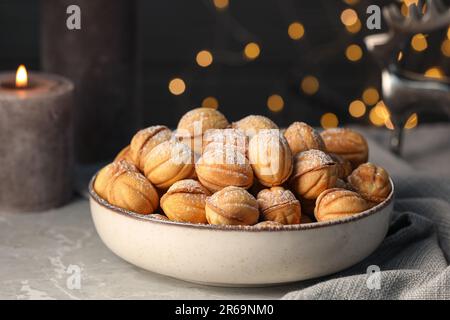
351 2
412 121
329 120
379 114
435 72
296 31
404 10
354 28
419 42
357 109
177 86
445 47
275 103
388 123
210 102
410 2
252 50
349 17
221 4
353 52
310 85
370 96
204 58
405 6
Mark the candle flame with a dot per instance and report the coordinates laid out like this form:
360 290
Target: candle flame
21 77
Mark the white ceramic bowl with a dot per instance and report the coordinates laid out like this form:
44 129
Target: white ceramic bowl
240 255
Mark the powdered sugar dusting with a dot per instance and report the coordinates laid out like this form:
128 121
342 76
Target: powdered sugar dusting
122 166
188 186
275 196
310 160
204 119
223 154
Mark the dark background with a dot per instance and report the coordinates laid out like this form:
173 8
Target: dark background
171 33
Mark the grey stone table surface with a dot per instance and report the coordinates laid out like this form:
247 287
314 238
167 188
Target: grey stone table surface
40 253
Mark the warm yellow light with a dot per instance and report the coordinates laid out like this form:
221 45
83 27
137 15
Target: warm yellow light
310 85
412 121
382 110
357 109
404 10
445 48
388 123
275 103
407 3
353 52
370 96
21 77
177 86
400 56
349 17
435 72
419 42
375 118
296 31
410 2
204 58
329 120
210 102
221 4
251 50
354 28
351 2
379 115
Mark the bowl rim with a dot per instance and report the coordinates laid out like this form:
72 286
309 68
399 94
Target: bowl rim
293 227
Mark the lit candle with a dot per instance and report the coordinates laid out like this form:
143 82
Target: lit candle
36 113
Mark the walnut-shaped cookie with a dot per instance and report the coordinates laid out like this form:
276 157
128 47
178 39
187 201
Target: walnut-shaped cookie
108 174
234 137
232 206
132 191
222 166
302 137
252 124
343 166
185 201
145 140
270 157
124 154
339 203
168 163
372 182
195 123
314 172
279 205
346 143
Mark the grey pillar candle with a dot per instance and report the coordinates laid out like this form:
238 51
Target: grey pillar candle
36 142
100 59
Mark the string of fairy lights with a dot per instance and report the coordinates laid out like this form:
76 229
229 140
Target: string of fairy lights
368 106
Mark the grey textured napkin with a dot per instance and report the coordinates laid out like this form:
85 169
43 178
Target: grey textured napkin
413 260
